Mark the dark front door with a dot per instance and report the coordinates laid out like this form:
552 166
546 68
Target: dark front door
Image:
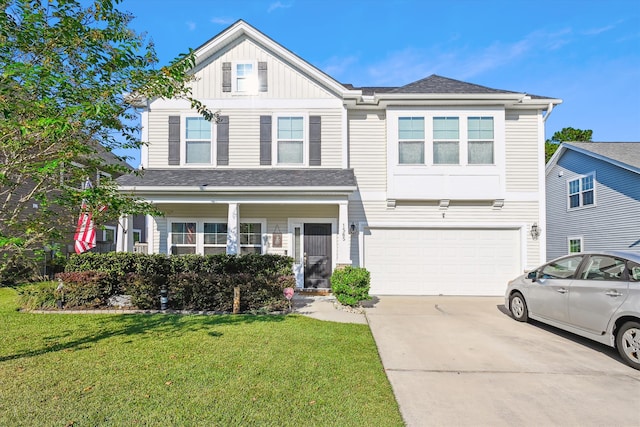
317 255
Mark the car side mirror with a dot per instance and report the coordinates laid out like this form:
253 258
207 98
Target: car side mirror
533 275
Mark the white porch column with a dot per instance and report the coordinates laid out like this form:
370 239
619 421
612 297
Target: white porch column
233 229
150 222
344 238
124 239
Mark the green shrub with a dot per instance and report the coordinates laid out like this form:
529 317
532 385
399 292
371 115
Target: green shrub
38 296
86 289
350 285
144 290
16 269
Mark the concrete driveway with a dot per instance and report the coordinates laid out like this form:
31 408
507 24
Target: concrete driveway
463 361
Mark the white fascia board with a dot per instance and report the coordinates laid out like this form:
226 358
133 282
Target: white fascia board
241 28
243 103
542 104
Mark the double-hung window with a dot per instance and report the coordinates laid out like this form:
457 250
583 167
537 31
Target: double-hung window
411 140
446 141
215 238
290 144
198 141
581 191
183 238
250 238
575 244
480 140
246 79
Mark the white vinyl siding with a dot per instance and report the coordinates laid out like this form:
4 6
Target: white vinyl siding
522 148
367 143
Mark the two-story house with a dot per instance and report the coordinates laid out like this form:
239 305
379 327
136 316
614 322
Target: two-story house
434 186
593 198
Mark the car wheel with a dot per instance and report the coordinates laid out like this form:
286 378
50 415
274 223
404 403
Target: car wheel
628 343
518 307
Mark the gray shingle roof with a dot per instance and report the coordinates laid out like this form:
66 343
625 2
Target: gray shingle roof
239 178
623 152
439 84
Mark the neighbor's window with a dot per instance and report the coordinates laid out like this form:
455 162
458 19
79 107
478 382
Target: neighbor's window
411 140
581 192
246 78
446 141
250 238
290 140
575 245
215 238
198 140
183 238
480 140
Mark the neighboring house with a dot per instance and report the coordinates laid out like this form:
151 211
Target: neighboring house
593 197
433 186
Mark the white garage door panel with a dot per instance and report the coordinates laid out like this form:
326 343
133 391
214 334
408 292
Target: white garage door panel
441 261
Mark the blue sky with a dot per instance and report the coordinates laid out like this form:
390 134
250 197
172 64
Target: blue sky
585 52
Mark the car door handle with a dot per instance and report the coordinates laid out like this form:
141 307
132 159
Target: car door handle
562 290
613 293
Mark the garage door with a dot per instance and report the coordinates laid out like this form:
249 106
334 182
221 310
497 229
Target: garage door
441 261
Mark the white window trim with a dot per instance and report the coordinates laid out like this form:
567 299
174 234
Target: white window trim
305 140
183 143
134 231
104 233
171 221
234 77
263 227
570 238
200 250
199 243
423 141
579 179
463 137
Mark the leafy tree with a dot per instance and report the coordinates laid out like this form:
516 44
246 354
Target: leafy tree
67 72
565 135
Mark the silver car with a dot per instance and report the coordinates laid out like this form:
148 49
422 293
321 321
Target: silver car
595 295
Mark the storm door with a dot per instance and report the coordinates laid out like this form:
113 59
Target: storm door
317 255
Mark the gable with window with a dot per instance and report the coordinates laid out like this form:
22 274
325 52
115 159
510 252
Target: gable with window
581 191
244 77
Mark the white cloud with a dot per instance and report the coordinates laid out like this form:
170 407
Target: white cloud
278 5
411 64
339 67
222 21
191 25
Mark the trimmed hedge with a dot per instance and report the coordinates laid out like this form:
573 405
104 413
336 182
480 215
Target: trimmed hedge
350 285
194 282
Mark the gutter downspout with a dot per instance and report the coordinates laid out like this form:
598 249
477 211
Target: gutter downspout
549 110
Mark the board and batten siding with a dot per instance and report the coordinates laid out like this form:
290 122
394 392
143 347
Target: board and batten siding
612 224
368 149
522 148
244 136
283 81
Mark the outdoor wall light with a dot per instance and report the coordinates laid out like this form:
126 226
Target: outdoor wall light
535 231
352 228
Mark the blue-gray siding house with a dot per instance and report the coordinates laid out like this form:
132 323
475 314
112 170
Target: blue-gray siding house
593 198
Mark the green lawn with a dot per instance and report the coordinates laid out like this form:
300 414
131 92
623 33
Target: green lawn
88 370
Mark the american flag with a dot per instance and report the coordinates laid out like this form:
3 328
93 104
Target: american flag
85 236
